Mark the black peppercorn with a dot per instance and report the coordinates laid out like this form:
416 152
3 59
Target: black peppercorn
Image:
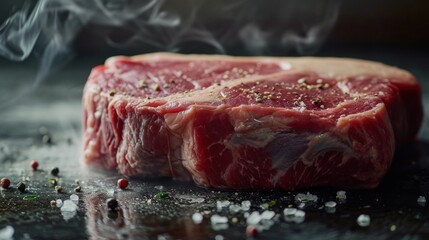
112 204
21 186
55 171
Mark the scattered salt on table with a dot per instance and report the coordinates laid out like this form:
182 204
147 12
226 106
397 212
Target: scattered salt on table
190 198
234 208
330 206
219 222
289 211
299 216
222 204
68 206
197 218
74 198
294 215
68 215
306 198
363 220
267 215
59 203
254 218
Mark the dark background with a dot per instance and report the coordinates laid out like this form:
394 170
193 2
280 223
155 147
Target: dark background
378 25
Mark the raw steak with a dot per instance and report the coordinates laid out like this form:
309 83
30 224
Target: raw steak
249 123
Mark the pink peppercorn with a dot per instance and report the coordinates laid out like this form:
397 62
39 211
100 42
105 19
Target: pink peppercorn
122 183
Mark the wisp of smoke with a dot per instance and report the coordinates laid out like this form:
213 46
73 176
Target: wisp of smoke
47 28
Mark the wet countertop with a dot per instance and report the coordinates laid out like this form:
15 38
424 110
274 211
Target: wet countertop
46 125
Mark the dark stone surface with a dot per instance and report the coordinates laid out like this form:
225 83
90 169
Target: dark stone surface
55 105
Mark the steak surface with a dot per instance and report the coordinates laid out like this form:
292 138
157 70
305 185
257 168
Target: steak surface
249 123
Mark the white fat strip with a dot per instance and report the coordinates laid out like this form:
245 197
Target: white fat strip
257 139
305 148
323 143
342 85
196 85
286 148
285 65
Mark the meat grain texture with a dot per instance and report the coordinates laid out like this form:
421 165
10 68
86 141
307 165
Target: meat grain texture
249 123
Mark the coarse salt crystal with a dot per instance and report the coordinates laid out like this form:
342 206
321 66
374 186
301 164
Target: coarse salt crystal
245 205
267 215
363 220
299 216
289 211
294 215
222 204
219 237
74 198
197 218
7 232
254 218
234 208
306 198
421 200
216 219
330 204
59 203
68 206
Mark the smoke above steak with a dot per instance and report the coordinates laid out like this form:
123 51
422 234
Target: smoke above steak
249 123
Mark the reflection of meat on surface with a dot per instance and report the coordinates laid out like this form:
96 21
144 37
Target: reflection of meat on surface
130 222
